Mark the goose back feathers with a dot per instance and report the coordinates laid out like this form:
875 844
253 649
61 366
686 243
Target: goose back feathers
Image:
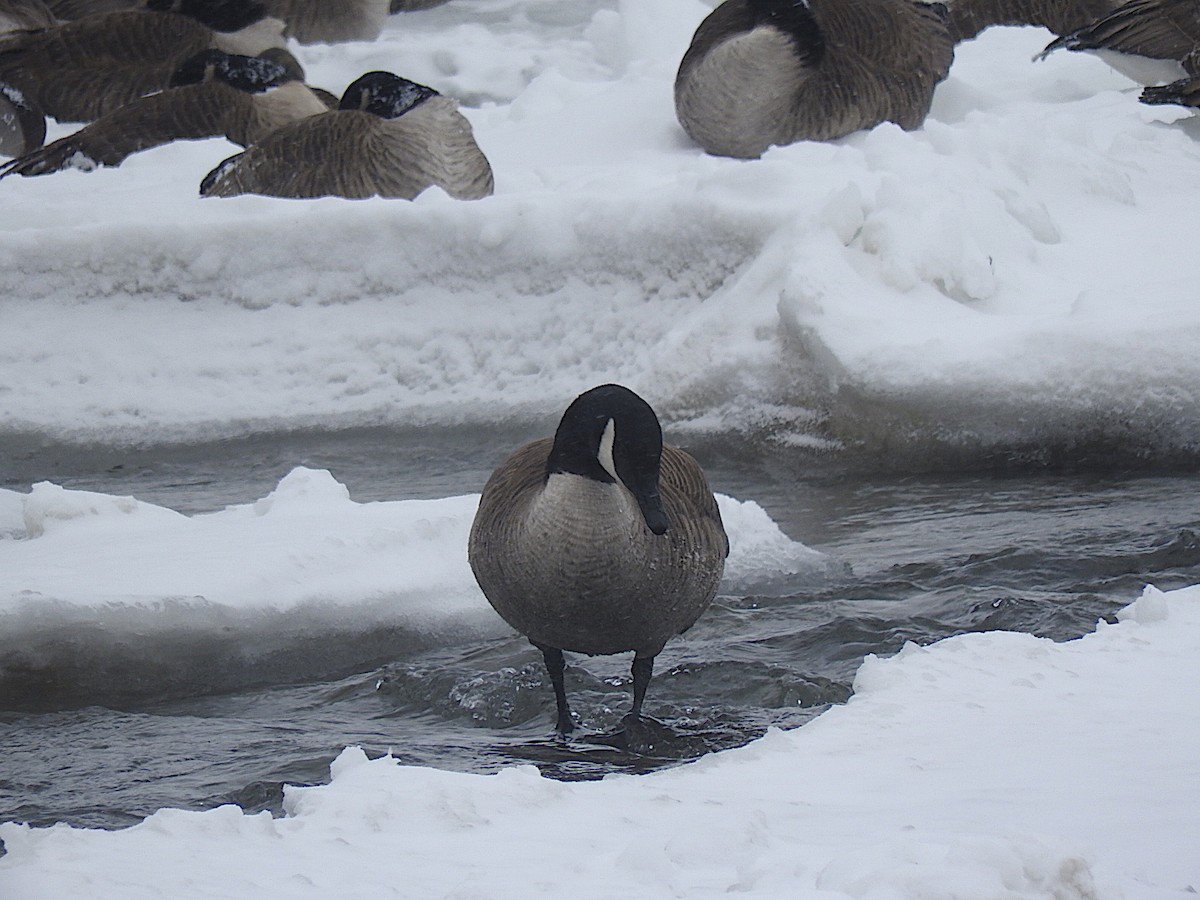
18 15
390 138
765 72
213 94
967 18
600 540
80 70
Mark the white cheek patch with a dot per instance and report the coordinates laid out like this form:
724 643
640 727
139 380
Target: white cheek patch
604 455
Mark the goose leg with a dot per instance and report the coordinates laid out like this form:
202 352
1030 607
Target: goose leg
642 669
555 664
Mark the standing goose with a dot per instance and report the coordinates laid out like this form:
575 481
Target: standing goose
390 137
764 72
80 70
601 540
1150 41
213 94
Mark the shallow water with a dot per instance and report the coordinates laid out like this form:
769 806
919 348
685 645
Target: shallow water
927 556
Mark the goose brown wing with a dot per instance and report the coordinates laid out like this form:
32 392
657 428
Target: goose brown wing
1159 29
190 112
690 502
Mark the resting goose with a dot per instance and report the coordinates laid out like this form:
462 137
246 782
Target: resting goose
330 22
399 6
600 540
213 94
764 72
1150 41
80 70
969 17
390 137
22 125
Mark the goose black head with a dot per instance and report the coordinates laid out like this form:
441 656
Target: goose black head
246 73
795 19
219 15
384 94
611 434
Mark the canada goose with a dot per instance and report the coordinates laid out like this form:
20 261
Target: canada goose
969 17
390 137
763 72
1185 92
22 125
67 10
17 15
80 70
213 94
330 21
600 540
1150 41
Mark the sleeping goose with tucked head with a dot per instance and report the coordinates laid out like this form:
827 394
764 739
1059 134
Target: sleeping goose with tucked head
80 70
389 137
600 540
766 72
213 94
1150 41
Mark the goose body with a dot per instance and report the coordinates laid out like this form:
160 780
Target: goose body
368 147
78 71
22 125
216 95
330 21
769 72
1150 41
600 540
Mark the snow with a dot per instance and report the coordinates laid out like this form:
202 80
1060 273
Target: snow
1015 274
993 765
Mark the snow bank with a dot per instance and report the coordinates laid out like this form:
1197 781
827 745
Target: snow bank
987 765
1004 280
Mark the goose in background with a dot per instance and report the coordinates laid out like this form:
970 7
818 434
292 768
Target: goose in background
19 15
78 71
1184 92
1150 41
389 137
22 125
967 18
213 94
330 21
600 540
765 72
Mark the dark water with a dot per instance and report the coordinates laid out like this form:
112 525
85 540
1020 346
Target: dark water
929 556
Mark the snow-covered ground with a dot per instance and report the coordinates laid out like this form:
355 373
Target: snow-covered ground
1017 274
